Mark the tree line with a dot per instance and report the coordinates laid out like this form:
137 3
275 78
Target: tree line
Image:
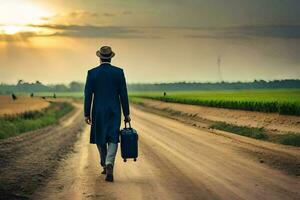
23 86
256 84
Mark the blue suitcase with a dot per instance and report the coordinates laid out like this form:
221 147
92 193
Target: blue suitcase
129 143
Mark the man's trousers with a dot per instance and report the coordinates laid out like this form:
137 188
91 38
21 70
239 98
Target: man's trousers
107 153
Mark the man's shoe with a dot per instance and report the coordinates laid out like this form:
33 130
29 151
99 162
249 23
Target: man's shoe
109 173
104 170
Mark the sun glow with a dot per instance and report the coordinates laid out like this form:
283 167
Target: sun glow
16 17
10 30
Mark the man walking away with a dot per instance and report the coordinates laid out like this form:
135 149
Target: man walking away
106 90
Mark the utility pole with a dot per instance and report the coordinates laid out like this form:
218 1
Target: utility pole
219 69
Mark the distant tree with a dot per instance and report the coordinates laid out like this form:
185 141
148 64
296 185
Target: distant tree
22 86
20 82
31 95
60 88
76 86
54 95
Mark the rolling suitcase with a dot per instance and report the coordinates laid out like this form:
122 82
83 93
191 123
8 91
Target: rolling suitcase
129 143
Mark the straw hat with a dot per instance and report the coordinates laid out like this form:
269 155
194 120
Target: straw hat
105 52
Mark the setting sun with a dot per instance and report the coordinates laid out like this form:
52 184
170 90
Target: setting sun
15 17
15 29
10 30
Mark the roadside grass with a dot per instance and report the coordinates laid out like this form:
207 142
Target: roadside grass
256 133
12 125
292 139
136 100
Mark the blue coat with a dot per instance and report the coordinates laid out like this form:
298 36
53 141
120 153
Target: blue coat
106 89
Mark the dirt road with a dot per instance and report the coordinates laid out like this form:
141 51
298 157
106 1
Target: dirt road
27 160
176 161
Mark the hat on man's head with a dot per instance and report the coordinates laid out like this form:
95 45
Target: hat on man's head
105 52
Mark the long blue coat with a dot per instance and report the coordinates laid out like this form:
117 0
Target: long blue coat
106 90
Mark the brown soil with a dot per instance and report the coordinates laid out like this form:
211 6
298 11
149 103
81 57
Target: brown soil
10 107
26 161
284 158
176 161
279 124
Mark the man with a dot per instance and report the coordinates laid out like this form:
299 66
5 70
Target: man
106 90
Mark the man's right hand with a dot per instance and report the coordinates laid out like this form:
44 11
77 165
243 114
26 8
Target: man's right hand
88 120
127 118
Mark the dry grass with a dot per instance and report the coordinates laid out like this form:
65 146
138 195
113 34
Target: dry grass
21 105
31 120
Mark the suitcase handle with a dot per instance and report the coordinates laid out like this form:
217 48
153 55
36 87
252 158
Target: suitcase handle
128 123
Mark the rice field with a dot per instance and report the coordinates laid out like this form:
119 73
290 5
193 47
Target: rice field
283 101
22 104
61 94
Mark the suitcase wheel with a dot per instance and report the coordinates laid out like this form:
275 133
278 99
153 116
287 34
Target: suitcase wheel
124 160
134 159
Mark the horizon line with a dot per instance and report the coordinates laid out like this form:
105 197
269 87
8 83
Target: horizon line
171 82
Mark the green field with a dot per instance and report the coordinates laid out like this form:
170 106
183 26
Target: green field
283 101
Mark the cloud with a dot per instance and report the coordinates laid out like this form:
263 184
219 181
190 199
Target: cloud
22 36
82 17
74 17
117 14
109 14
82 13
93 31
284 31
127 13
244 32
90 31
80 31
45 18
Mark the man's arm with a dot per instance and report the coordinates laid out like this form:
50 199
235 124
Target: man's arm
124 97
88 95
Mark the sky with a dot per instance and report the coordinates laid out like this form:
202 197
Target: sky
55 41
